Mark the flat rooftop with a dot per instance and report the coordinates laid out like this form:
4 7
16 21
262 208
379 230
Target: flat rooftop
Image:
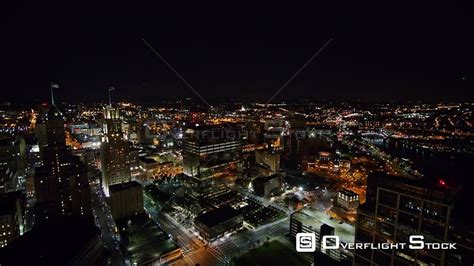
147 160
266 178
315 218
217 216
427 187
348 192
123 186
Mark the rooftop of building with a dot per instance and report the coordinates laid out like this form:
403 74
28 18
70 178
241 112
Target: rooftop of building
422 182
266 178
349 193
123 186
212 134
142 248
315 218
270 151
217 216
147 160
426 187
8 201
214 138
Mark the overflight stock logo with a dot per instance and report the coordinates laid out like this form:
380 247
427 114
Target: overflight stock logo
306 242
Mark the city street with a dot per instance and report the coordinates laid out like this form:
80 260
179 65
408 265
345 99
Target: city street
106 225
229 247
220 251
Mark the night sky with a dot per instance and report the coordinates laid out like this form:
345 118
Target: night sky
412 52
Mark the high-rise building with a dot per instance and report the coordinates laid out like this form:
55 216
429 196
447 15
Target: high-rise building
267 186
347 199
398 207
269 160
126 199
40 134
209 151
114 151
61 184
55 131
112 123
12 162
40 126
304 146
12 210
274 132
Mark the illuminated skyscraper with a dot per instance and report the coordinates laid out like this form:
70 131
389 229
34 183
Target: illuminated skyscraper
209 151
398 207
114 150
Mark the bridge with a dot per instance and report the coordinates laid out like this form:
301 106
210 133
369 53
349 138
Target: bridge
377 134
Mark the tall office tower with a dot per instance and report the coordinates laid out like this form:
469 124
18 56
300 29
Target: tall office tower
49 130
40 127
398 207
12 162
40 134
55 134
268 160
268 186
12 210
274 132
61 184
303 145
209 151
126 199
114 151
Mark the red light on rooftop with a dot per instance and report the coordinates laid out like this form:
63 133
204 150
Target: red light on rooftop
442 182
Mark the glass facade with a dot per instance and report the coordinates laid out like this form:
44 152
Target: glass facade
394 211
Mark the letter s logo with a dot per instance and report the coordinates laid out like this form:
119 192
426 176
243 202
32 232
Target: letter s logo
416 242
305 242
